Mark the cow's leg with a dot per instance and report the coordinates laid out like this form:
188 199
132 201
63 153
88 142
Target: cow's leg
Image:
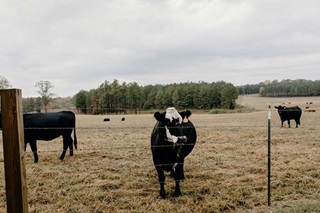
65 147
33 145
178 176
289 123
71 146
161 181
177 191
162 191
297 122
69 141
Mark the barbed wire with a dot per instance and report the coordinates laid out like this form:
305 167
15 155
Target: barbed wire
190 161
122 111
259 185
150 165
198 146
197 160
152 127
121 126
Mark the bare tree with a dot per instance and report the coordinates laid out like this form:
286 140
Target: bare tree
4 83
44 91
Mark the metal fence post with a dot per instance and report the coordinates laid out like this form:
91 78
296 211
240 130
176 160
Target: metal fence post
269 156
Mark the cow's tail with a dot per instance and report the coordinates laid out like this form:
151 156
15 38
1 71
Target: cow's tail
74 132
75 138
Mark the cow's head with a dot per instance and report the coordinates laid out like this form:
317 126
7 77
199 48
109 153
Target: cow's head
172 121
280 107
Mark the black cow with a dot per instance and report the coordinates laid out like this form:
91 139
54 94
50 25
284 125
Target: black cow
289 113
172 139
48 126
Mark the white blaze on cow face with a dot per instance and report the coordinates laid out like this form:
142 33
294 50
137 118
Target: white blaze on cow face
170 137
171 114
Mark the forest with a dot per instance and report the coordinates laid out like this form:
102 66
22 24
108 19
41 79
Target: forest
283 88
113 97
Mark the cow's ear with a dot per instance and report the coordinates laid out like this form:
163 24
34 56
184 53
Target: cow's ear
159 116
188 113
185 115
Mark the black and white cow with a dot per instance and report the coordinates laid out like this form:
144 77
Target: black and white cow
172 139
48 126
289 113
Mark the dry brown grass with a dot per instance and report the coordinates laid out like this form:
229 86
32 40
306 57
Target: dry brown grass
227 171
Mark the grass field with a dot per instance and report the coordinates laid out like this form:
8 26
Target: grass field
112 170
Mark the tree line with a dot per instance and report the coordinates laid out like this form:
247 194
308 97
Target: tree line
113 97
35 104
283 88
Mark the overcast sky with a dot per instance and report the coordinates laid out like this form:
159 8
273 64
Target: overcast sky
78 44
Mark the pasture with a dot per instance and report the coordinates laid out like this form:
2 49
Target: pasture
112 170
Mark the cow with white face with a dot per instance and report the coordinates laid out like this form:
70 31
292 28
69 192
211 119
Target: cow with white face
172 139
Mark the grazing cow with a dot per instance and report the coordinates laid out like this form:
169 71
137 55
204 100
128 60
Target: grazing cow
288 113
48 126
309 110
172 139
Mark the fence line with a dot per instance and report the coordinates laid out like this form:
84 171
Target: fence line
190 161
148 146
197 146
195 160
121 111
140 127
151 127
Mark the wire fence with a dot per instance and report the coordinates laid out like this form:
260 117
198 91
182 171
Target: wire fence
211 152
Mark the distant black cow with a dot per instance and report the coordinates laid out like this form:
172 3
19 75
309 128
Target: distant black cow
172 139
48 126
289 113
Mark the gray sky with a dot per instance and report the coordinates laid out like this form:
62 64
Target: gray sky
78 44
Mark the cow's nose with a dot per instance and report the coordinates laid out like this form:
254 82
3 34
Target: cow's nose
182 139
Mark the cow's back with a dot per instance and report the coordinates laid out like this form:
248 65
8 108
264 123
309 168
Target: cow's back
291 112
47 120
47 126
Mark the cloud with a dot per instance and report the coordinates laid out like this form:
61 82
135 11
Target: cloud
80 44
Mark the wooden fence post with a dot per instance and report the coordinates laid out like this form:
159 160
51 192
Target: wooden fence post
13 151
